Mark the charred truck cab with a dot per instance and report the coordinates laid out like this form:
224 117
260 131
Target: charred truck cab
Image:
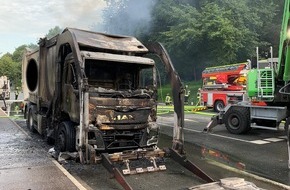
91 92
121 100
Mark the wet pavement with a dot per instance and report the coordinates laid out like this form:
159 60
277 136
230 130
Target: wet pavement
175 177
260 153
24 162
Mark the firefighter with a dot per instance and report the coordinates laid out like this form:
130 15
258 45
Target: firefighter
168 100
198 95
16 93
186 94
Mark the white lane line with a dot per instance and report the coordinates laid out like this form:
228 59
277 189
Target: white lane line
231 138
193 130
274 139
283 137
259 142
259 178
190 120
68 175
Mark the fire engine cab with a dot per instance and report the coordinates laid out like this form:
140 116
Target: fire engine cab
223 84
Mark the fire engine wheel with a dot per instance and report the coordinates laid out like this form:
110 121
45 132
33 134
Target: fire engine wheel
66 137
218 105
29 121
237 120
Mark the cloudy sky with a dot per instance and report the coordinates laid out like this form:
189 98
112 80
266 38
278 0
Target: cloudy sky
25 21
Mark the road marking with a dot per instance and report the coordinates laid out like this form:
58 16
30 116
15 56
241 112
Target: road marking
259 178
190 120
68 175
259 142
197 131
274 139
283 137
231 138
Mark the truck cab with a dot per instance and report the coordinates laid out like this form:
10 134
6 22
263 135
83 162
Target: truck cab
91 91
121 97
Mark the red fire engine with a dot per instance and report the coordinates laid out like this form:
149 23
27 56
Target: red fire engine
223 84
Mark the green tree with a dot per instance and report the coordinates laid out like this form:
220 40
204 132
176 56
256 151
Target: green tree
10 68
16 64
18 53
208 33
201 33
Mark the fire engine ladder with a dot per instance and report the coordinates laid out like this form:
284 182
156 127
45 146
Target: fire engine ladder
265 79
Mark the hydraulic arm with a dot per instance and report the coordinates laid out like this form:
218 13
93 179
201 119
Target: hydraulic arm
177 151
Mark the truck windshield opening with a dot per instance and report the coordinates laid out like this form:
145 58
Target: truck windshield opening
118 76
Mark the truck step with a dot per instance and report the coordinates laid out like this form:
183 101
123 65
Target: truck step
153 166
138 161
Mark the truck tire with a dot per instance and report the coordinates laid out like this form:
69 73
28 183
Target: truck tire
237 120
218 105
66 137
29 122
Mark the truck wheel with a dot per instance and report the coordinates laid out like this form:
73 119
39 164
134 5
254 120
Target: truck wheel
66 137
29 122
218 105
237 120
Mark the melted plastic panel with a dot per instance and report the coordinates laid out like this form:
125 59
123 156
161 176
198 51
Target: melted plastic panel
32 75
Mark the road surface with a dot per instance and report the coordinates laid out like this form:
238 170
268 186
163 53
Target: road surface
260 152
218 154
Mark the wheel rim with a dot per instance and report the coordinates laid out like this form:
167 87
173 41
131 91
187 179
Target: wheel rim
234 122
66 137
220 106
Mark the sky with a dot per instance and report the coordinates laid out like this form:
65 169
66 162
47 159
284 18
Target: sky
25 21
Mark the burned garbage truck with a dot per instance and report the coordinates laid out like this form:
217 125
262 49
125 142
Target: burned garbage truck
91 92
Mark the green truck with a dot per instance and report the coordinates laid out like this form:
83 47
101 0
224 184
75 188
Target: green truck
268 88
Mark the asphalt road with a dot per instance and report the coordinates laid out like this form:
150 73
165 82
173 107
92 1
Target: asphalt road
260 152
